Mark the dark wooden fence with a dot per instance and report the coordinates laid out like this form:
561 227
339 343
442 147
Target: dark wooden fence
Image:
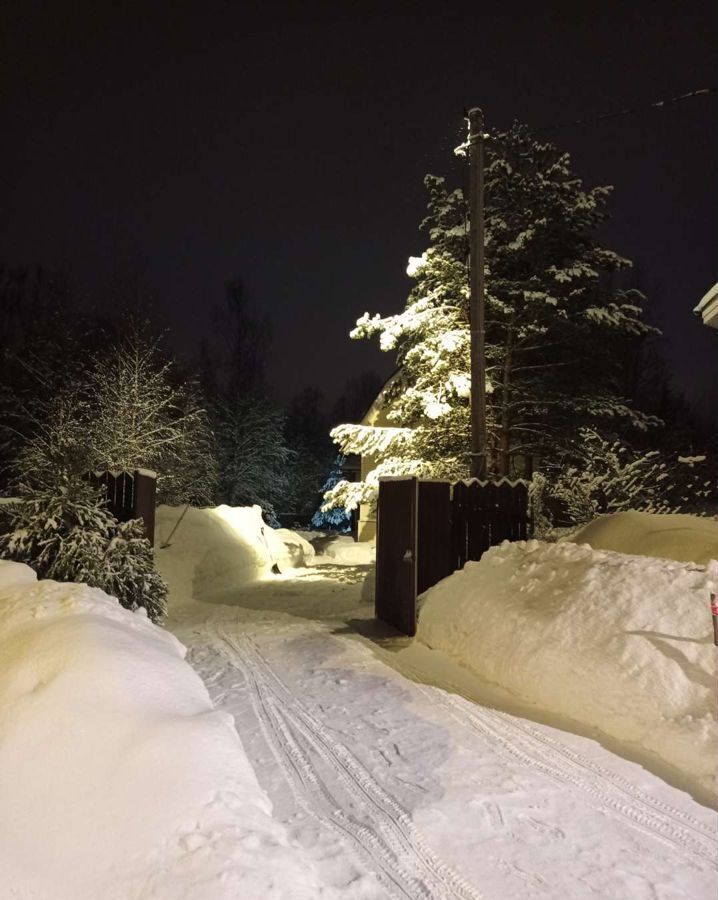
485 513
428 529
130 495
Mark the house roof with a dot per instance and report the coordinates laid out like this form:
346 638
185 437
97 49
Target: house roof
376 414
708 307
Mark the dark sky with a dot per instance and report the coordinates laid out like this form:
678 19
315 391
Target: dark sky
187 143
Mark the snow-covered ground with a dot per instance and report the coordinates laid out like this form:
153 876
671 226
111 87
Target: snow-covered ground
622 644
118 779
356 767
397 787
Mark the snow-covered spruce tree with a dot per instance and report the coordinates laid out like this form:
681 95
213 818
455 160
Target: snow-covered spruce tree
252 456
337 518
557 326
66 533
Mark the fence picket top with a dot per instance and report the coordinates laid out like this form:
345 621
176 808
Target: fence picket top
130 473
497 481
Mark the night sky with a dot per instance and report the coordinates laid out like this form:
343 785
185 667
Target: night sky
179 145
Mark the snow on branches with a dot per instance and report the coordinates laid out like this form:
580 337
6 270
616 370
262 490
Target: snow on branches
559 328
608 476
370 441
126 411
65 532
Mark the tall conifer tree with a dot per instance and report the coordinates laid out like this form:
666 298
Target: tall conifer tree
557 326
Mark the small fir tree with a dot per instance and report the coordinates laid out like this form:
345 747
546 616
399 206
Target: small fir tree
66 533
337 518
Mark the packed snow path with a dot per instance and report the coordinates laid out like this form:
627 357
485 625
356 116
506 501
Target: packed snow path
398 789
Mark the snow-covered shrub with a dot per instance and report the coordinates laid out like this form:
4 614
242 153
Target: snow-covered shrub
608 476
141 417
66 533
124 411
538 489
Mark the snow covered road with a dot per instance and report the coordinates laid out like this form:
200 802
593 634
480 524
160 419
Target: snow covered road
388 780
403 790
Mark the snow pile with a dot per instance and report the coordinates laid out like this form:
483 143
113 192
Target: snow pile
620 643
297 549
218 550
118 779
672 536
344 550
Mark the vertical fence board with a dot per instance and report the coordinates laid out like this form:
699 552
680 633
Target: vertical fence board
434 557
521 495
490 509
476 535
396 566
504 513
459 528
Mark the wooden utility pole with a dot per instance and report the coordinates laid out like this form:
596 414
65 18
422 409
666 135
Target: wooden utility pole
476 285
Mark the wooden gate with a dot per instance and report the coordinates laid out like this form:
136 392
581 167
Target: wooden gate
426 530
396 570
413 546
485 513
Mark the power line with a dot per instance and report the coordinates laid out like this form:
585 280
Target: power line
631 110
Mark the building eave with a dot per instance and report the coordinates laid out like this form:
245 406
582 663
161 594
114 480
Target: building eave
708 307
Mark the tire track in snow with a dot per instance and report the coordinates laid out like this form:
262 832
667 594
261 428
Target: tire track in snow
407 867
662 816
528 746
297 770
356 774
680 818
305 785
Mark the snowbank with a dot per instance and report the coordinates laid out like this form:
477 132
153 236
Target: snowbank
681 537
216 551
118 779
343 550
297 549
620 643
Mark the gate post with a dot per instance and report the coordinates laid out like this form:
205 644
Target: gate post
143 506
